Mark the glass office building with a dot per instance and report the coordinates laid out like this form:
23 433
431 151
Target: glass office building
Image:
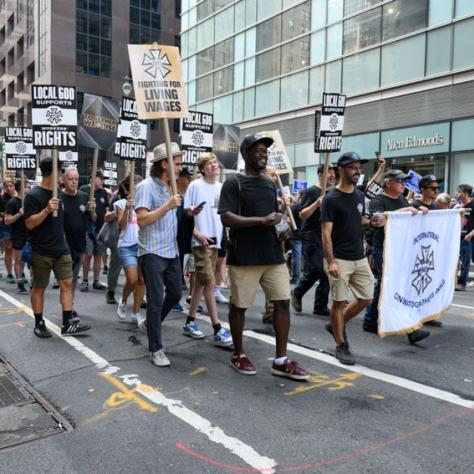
406 66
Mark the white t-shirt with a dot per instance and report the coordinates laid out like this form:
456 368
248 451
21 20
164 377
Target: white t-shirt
208 221
129 235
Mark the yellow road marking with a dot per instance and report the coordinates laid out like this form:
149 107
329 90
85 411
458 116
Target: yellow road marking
317 380
376 396
198 371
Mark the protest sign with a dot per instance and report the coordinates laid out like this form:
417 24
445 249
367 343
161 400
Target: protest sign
413 182
157 81
196 136
226 145
132 133
19 151
277 156
110 173
420 264
299 185
329 123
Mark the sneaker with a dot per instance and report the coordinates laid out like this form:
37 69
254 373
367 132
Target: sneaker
191 329
42 331
328 328
220 298
75 317
296 303
159 358
223 338
322 311
178 307
122 310
84 286
105 270
55 284
141 323
434 323
369 328
343 354
11 278
417 336
110 297
458 287
74 328
267 318
21 289
470 284
143 305
199 309
242 365
23 280
98 285
290 369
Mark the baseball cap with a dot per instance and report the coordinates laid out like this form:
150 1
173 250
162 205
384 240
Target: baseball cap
99 174
395 174
429 178
250 140
160 153
185 172
331 166
348 158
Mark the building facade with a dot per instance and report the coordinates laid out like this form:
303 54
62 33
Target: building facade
406 66
77 42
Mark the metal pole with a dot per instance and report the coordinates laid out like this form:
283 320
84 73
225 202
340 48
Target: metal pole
54 156
95 158
171 172
131 187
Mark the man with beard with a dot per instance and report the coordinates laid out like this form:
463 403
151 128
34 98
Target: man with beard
248 206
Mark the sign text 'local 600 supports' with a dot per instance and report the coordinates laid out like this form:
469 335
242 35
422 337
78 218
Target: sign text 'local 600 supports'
329 123
19 151
54 117
196 135
131 133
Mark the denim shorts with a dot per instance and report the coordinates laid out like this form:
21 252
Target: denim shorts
128 256
5 232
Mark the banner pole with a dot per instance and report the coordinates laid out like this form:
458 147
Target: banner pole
290 213
131 187
325 174
95 158
22 184
170 157
54 156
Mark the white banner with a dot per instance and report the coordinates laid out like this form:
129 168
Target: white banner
419 269
54 116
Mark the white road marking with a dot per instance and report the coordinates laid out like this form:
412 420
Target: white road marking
463 306
175 407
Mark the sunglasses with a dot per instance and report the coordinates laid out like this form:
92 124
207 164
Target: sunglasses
434 188
400 180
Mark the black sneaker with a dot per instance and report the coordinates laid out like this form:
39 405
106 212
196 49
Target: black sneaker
369 328
110 298
143 305
21 289
42 331
321 311
73 328
97 285
105 270
434 323
295 303
328 328
75 317
417 336
343 354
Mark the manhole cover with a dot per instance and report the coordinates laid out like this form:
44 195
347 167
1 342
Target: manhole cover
10 394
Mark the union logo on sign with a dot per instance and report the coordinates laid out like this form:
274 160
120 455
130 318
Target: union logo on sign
157 65
333 121
20 148
54 115
197 138
135 129
423 265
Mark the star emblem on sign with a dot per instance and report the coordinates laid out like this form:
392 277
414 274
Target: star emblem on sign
423 265
157 65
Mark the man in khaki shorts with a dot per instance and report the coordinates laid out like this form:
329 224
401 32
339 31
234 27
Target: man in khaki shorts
345 263
248 206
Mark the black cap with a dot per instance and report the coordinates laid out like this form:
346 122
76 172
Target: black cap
330 167
348 158
428 179
185 172
395 174
250 140
99 174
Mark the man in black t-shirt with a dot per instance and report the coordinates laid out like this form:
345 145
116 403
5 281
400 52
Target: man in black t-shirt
391 199
248 206
467 233
5 230
342 218
310 214
94 246
429 186
50 251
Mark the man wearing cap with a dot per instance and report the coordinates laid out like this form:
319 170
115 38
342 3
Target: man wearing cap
158 254
94 246
391 199
310 234
342 219
248 206
429 186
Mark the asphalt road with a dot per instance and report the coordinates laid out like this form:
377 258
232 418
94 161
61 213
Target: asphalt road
404 409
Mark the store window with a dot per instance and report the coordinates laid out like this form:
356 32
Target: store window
438 55
267 98
362 31
361 72
404 16
462 170
463 50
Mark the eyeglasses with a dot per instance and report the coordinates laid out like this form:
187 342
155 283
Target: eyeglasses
434 188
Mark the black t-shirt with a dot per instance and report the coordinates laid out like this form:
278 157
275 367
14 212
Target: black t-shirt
75 216
101 204
3 204
311 227
18 228
256 197
418 202
47 238
468 221
382 203
345 211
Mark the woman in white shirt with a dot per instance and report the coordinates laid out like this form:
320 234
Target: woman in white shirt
127 249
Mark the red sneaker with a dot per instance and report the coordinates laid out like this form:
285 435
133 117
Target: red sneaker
290 369
242 365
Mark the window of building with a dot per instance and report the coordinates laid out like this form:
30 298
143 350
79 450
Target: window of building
316 85
20 47
464 7
205 61
20 82
11 120
250 11
238 107
403 61
239 47
318 47
145 21
318 14
267 98
334 41
249 103
11 90
223 109
3 98
224 24
404 16
439 12
205 34
333 76
361 72
11 57
21 117
11 23
192 43
239 75
335 10
268 65
191 92
294 91
250 41
353 6
239 16
438 51
224 53
463 50
362 31
3 68
266 8
2 36
30 24
204 88
224 80
249 72
30 73
177 8
295 21
295 55
268 33
204 9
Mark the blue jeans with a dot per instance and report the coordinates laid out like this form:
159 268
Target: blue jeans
296 246
465 258
372 313
163 290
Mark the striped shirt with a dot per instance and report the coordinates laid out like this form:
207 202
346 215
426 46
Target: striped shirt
160 237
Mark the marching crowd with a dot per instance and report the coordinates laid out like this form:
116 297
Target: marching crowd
157 236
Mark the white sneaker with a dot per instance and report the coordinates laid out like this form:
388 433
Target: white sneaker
141 323
122 310
220 298
159 358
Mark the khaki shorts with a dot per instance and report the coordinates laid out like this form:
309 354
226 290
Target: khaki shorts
42 266
244 280
355 275
205 260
